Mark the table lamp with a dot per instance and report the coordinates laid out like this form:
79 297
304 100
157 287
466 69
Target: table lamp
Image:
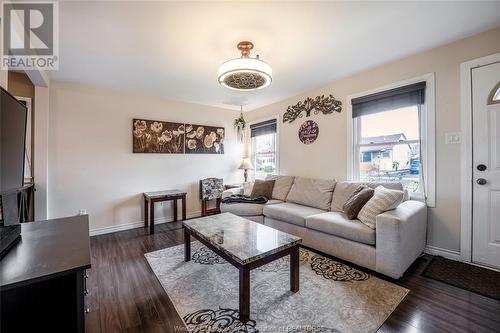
246 165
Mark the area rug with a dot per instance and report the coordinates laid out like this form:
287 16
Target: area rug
479 280
333 297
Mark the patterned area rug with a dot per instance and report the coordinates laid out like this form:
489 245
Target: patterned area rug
333 297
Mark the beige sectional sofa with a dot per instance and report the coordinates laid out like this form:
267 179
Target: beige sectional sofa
312 209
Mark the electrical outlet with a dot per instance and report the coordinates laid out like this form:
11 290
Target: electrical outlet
82 212
452 138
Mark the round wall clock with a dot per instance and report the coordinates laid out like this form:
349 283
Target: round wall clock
308 132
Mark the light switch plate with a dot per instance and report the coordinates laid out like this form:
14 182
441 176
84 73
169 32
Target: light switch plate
452 138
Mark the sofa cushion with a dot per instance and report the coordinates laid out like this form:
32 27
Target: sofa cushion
246 209
291 212
357 200
337 224
282 185
383 200
343 190
247 188
262 188
312 192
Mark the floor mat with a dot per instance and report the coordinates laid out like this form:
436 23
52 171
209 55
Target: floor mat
479 280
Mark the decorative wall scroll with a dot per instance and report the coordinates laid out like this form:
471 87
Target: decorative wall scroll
308 132
325 105
151 136
204 139
154 136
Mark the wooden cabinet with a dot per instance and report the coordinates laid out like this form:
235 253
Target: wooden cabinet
42 278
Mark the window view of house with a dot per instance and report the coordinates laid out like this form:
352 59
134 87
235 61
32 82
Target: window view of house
264 155
389 147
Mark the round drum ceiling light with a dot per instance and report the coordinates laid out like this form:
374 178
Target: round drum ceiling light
245 73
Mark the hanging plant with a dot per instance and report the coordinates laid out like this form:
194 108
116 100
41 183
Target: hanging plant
240 126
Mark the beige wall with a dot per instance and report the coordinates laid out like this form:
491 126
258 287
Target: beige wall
91 164
4 77
21 85
327 157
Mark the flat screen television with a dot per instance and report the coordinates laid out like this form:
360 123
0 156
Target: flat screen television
13 117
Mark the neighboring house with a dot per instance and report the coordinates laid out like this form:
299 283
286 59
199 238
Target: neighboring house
264 159
384 156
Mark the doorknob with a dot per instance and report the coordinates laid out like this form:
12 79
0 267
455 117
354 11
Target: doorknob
481 167
481 181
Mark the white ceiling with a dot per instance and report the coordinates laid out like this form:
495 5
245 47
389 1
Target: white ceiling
173 49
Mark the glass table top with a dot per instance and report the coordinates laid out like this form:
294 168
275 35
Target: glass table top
243 240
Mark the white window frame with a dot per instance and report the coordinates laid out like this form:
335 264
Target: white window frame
260 120
427 141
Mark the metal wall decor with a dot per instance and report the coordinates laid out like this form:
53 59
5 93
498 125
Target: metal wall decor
323 104
308 132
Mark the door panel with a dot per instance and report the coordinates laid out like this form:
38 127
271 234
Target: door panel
486 183
494 226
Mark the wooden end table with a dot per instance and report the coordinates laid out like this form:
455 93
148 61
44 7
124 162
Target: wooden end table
168 195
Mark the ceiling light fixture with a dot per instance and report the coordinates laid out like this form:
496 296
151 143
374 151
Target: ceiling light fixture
245 73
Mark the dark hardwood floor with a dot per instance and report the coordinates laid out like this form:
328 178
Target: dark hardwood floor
125 296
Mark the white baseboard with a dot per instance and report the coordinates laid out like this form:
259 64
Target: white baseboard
448 254
133 225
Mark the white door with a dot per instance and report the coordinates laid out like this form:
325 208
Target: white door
486 165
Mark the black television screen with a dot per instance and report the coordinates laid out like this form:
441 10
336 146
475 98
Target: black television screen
12 145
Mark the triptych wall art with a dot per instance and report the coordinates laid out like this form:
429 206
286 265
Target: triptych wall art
154 136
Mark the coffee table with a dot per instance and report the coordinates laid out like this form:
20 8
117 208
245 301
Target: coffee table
246 245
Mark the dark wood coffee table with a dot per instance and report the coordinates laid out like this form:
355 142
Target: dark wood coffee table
246 245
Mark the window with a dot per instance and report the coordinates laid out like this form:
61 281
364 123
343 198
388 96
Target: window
494 97
392 137
264 148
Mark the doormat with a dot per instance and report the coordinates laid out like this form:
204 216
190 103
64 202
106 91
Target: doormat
469 277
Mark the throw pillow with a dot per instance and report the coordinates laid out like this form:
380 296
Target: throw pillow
383 200
247 188
357 200
263 188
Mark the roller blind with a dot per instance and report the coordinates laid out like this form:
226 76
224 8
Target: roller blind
263 128
413 94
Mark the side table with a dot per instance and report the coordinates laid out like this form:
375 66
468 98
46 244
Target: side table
168 195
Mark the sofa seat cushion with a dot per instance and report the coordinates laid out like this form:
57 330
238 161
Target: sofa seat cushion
246 209
291 212
338 224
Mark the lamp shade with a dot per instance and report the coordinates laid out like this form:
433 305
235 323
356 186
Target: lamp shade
246 164
245 74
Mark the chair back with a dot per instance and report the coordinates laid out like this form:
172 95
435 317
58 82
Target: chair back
211 188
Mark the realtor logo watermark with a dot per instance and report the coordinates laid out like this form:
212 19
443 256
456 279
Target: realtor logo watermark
30 37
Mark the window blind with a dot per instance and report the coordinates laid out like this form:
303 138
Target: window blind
413 94
263 128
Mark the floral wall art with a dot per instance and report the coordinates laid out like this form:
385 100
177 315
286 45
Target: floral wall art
202 139
151 136
154 136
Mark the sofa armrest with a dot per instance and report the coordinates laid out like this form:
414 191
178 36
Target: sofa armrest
231 191
400 237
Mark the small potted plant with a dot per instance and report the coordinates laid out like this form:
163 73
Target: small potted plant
240 126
